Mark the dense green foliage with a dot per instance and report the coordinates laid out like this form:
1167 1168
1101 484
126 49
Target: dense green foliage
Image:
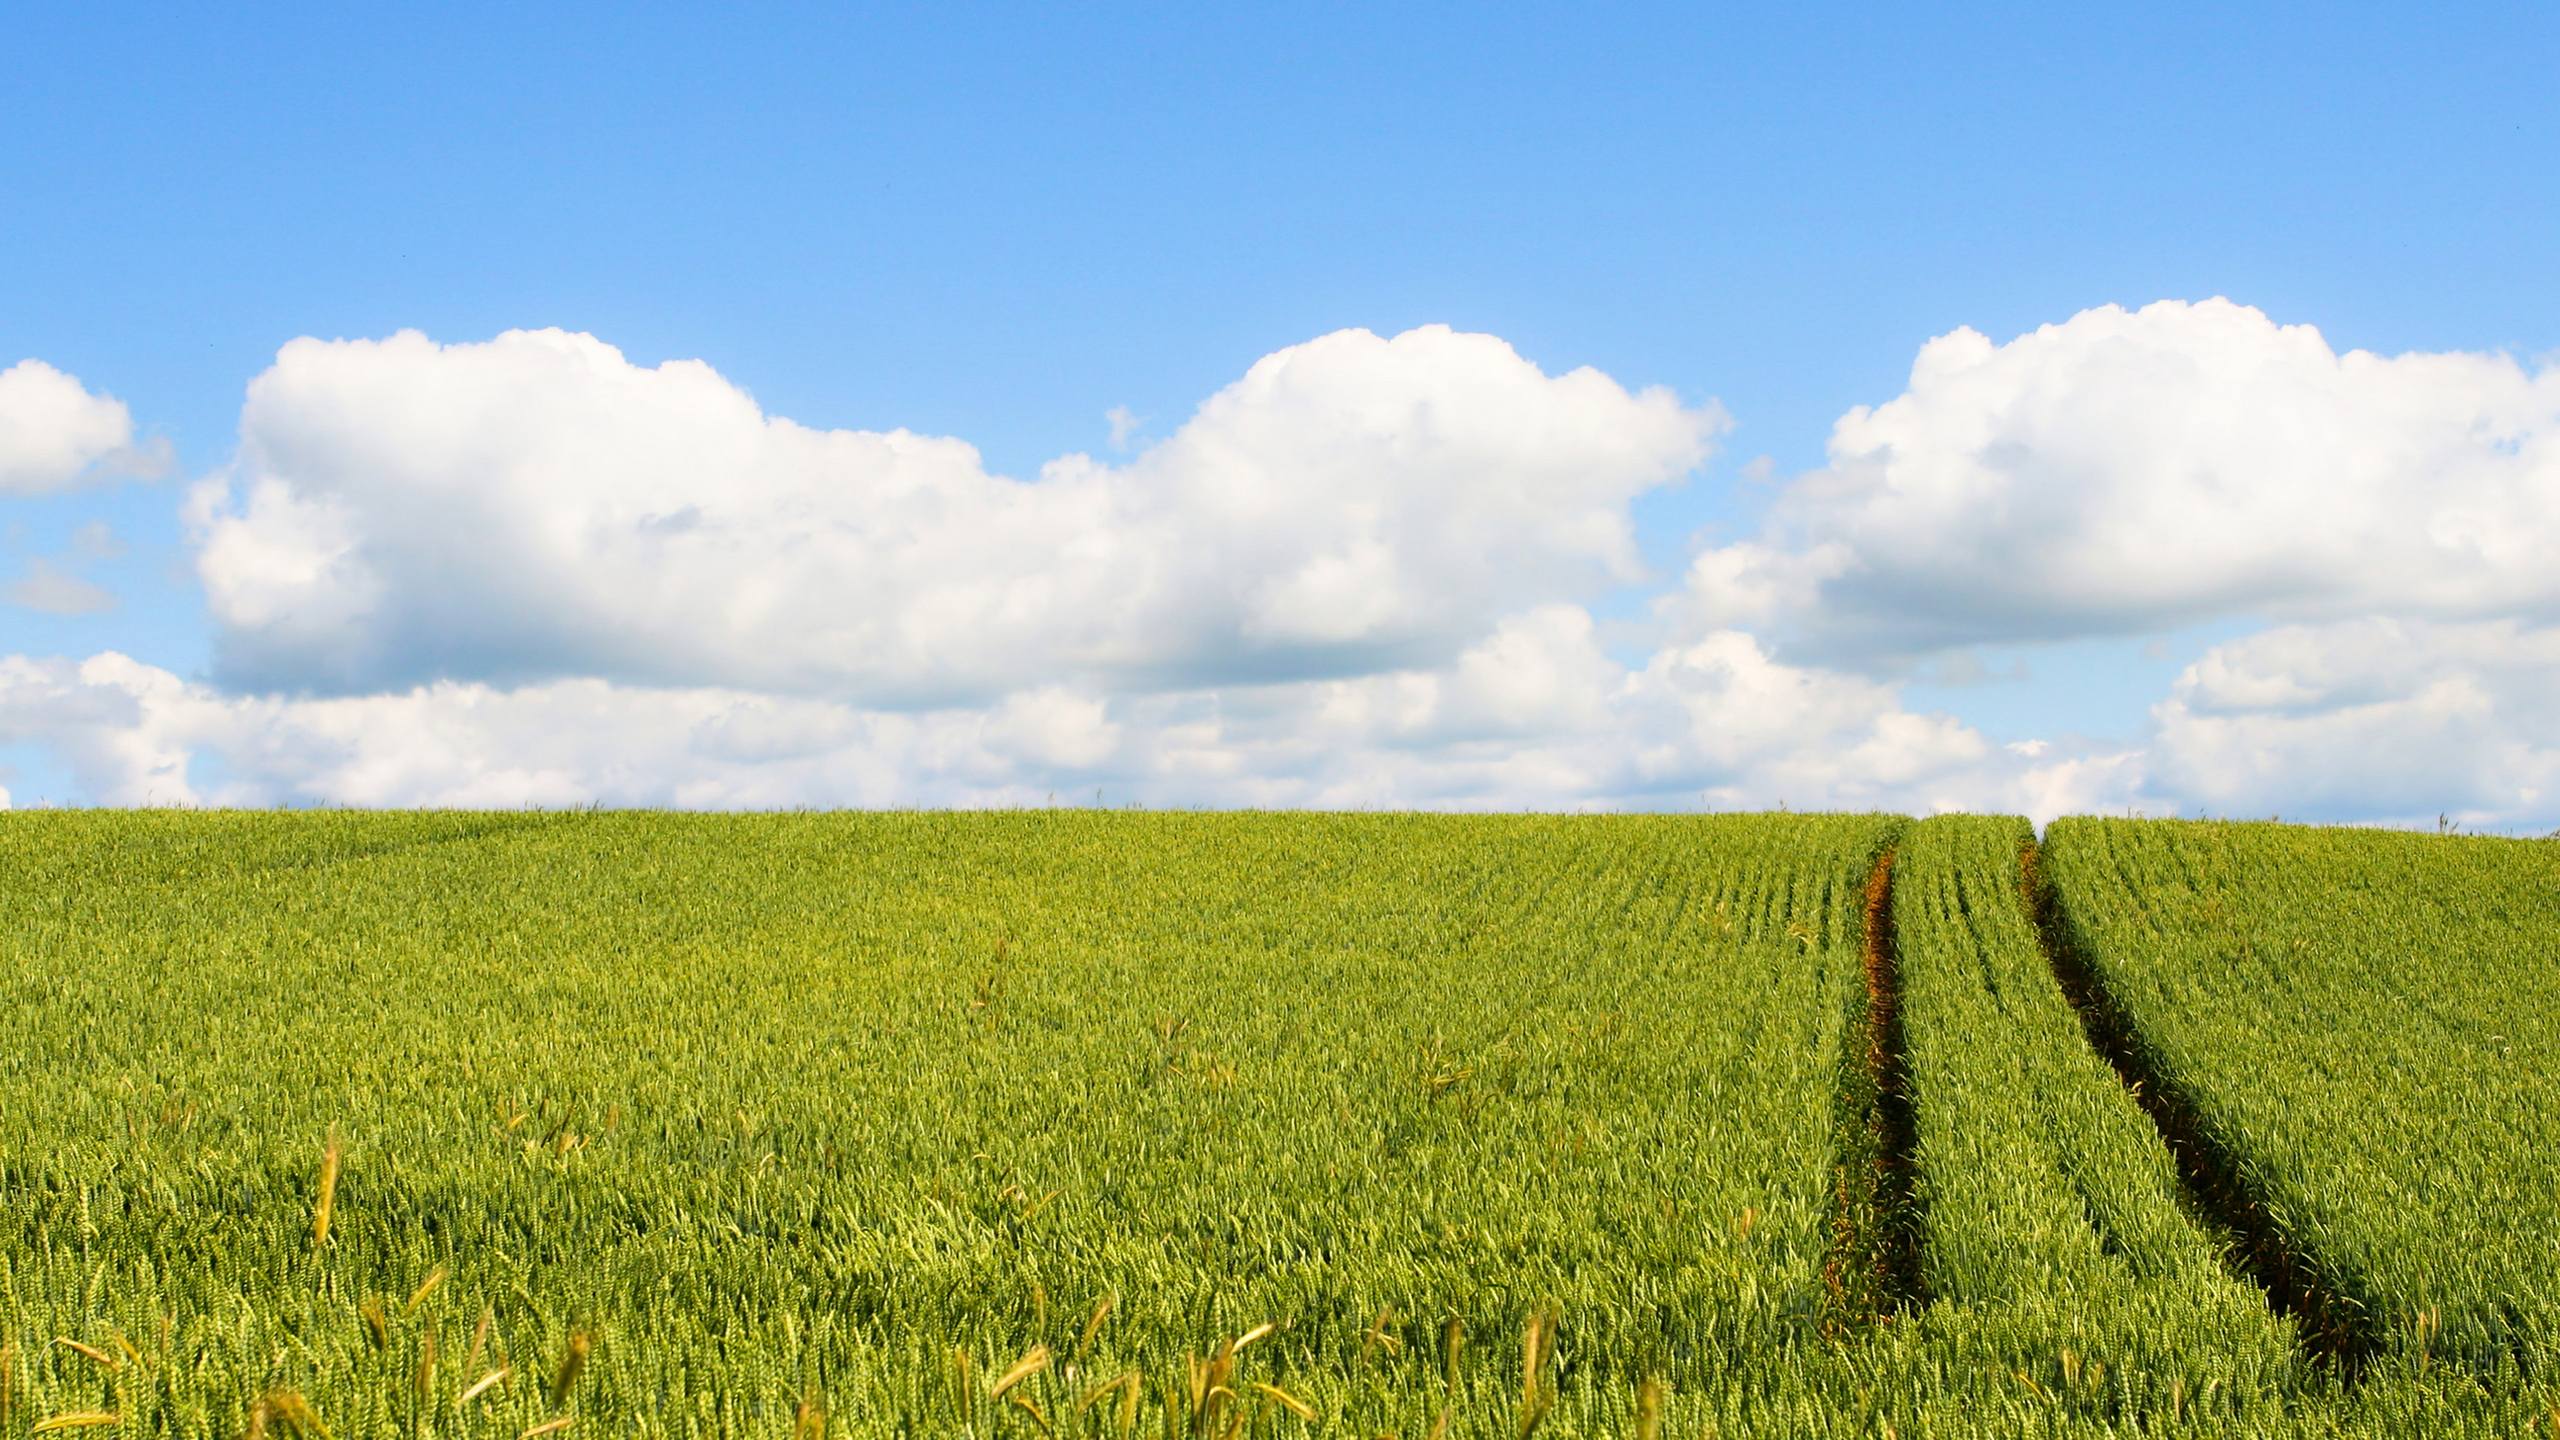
1082 1123
793 1107
2072 1286
2055 1243
2369 1025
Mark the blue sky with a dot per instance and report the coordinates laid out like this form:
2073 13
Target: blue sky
999 225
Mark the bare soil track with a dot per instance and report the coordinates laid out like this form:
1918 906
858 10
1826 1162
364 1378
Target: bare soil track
1900 1281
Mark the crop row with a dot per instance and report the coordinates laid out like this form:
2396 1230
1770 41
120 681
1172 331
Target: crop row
868 1113
1108 1124
2075 1282
2367 1029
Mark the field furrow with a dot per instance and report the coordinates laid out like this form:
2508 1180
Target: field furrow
1108 1124
2055 1244
2363 1032
2336 1325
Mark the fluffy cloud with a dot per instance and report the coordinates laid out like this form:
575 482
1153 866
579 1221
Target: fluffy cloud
2370 720
1534 715
54 432
537 507
2129 471
530 572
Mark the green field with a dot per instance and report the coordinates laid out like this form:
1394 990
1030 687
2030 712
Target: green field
1094 1123
2369 1027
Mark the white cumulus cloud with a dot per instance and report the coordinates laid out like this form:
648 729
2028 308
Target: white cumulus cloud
529 571
54 432
538 507
1532 716
2373 719
2129 471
